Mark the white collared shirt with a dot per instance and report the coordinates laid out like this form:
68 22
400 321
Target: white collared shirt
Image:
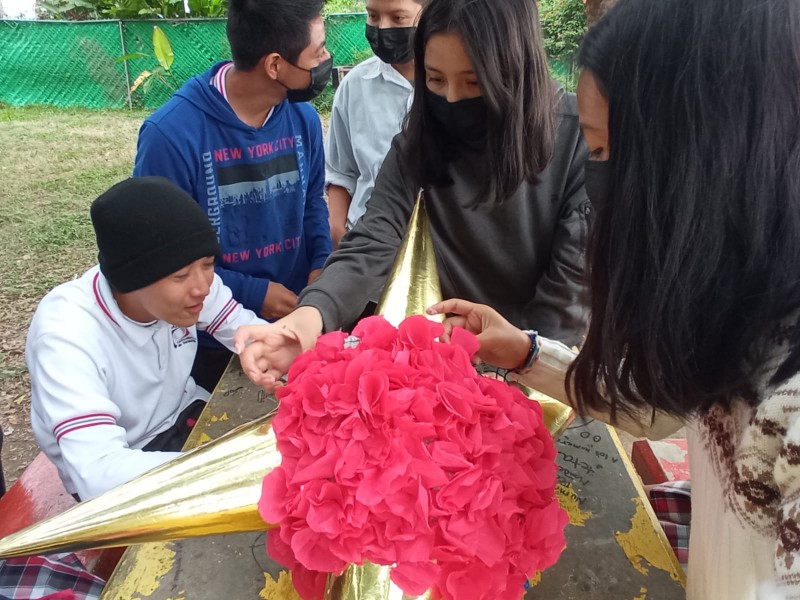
103 385
368 111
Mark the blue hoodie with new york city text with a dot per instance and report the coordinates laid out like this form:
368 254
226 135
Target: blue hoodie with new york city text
261 187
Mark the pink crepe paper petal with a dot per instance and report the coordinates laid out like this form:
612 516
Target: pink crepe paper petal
273 489
456 401
279 550
419 331
310 585
375 332
396 451
468 341
312 552
415 578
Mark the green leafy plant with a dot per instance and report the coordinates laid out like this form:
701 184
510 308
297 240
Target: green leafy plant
208 8
324 102
564 23
70 10
130 9
345 6
103 70
162 52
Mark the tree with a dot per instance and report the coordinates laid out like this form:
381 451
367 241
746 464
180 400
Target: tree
596 8
563 23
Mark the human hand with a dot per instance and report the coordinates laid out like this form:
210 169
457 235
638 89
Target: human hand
278 302
314 275
267 351
501 343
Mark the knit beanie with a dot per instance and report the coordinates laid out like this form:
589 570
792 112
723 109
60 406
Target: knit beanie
148 228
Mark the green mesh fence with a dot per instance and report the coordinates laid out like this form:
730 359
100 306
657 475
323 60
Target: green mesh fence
71 63
63 64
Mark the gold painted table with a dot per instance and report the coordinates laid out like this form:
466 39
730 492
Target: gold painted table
615 548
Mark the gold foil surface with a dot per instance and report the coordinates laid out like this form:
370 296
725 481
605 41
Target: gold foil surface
412 286
211 490
366 582
413 283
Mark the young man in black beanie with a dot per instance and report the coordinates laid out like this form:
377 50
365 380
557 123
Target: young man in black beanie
110 353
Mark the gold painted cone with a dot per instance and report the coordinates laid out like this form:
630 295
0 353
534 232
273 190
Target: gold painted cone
413 283
412 286
210 490
366 582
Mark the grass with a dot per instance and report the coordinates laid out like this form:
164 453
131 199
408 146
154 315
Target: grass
53 163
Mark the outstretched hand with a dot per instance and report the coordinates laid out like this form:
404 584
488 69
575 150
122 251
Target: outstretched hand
267 351
501 343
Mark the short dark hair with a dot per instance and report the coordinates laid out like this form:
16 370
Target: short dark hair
260 27
693 264
505 45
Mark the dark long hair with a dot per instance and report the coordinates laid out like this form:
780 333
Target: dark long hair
695 262
504 41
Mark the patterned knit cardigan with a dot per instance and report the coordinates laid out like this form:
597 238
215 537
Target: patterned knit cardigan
756 455
755 451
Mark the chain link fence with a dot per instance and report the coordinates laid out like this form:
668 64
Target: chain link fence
72 63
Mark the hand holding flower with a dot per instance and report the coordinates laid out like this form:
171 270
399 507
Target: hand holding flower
501 344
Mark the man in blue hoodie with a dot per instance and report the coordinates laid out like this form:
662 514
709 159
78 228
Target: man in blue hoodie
243 141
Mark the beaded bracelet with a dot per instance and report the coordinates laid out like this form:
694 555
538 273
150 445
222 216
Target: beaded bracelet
533 353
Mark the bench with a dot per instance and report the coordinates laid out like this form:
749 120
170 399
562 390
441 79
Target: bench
661 461
39 494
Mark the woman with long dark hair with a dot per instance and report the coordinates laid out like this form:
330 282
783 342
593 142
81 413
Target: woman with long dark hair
496 145
691 111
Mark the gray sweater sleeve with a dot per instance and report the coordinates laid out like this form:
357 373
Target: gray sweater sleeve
356 273
560 305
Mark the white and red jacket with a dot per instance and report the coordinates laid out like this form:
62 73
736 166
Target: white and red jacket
104 385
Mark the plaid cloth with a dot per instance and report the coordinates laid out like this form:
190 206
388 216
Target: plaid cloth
672 503
51 577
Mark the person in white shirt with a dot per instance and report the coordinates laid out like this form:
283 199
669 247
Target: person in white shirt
110 353
368 111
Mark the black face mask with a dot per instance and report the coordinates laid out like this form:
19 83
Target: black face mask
393 45
464 121
597 175
320 76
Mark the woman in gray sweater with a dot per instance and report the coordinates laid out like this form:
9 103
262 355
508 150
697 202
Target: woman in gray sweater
496 145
